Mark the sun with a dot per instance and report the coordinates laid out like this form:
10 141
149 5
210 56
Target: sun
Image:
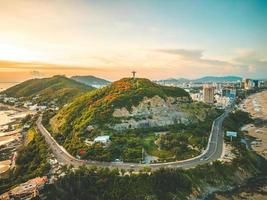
15 53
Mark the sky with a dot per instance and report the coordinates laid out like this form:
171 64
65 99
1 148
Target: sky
110 38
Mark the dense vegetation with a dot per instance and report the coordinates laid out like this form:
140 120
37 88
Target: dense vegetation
105 184
236 119
174 142
57 88
166 184
90 80
31 161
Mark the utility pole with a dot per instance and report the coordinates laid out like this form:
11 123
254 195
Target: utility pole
142 155
133 72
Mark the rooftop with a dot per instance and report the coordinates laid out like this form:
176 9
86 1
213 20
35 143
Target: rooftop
103 138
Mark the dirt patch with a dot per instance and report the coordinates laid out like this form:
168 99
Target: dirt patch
4 166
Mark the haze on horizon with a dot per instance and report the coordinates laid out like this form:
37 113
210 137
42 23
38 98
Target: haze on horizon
107 38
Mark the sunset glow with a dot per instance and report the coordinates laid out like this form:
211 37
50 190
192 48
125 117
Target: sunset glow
99 37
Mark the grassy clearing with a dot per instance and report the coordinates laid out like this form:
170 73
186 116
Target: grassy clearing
153 150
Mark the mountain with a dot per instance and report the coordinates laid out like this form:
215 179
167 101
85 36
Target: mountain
218 79
91 81
172 81
58 88
124 102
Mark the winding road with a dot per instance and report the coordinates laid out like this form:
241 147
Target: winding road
212 152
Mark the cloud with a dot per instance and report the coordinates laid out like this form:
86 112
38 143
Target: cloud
251 64
156 63
245 62
185 53
196 57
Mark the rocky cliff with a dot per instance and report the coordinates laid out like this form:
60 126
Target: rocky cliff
152 112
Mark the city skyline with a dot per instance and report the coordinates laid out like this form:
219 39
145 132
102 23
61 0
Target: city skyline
111 38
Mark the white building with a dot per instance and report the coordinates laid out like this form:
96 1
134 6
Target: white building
27 104
10 100
196 96
102 139
89 128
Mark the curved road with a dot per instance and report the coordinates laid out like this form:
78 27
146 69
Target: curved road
213 151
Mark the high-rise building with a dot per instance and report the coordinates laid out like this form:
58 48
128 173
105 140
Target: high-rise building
248 84
208 93
256 83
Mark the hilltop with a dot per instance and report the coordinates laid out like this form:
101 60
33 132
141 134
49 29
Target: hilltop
91 80
58 88
97 107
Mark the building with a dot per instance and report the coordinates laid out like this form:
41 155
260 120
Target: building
208 93
90 128
255 83
102 139
10 100
229 92
222 101
248 84
196 96
27 190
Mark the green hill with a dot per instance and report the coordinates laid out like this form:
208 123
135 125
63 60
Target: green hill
59 88
91 80
131 112
97 107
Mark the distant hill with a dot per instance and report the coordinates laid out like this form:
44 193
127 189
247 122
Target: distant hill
205 79
173 81
91 80
218 79
59 88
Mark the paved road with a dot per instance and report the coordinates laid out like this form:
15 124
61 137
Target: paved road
212 152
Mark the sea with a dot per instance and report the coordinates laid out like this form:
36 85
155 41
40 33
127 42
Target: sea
5 85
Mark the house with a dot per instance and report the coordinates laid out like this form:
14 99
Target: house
33 108
42 107
102 139
10 100
26 126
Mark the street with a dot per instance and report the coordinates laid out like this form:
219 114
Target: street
211 153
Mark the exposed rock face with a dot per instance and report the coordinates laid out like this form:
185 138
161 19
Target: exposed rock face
152 112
